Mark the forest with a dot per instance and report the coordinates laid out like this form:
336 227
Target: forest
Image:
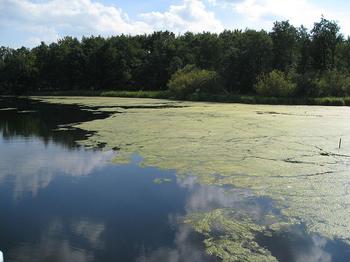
288 61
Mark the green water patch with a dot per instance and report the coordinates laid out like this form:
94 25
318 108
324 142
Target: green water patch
231 221
230 239
161 180
291 156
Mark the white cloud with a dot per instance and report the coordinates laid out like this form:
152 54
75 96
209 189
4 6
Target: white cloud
52 19
260 14
191 15
294 10
28 21
83 16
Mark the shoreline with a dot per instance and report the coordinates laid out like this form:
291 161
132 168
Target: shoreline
242 99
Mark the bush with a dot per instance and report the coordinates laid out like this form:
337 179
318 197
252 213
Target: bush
330 101
193 83
136 94
275 84
307 84
333 83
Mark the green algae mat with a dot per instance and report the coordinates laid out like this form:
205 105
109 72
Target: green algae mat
290 154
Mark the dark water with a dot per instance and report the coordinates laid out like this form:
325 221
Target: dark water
61 202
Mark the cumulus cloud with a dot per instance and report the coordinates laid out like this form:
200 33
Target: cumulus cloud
82 15
52 19
29 21
260 14
293 10
192 16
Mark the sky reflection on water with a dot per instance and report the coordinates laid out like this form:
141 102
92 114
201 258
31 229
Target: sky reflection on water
61 202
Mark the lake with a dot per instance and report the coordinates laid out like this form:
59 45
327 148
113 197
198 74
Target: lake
149 180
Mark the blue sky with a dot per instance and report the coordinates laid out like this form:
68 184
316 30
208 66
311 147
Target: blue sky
27 22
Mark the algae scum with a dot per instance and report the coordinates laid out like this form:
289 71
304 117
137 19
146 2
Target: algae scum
271 181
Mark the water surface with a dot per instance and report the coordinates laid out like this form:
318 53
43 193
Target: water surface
61 202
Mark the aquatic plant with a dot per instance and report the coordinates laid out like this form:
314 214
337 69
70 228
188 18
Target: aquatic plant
161 180
287 153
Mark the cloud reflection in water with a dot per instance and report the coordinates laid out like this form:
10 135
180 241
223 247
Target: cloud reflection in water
31 166
55 246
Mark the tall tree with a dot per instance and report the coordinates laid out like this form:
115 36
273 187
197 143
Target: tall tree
304 50
284 37
159 50
19 72
325 37
343 56
253 58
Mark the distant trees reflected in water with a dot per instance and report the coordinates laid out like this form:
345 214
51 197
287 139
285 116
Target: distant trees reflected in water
26 118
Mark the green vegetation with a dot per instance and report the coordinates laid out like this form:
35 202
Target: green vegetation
228 98
106 93
192 82
275 84
288 154
298 64
161 180
232 239
136 94
333 83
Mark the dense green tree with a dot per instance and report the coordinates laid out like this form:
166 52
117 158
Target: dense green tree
342 56
312 59
41 54
304 63
208 51
230 53
18 70
325 38
158 64
253 57
285 39
93 72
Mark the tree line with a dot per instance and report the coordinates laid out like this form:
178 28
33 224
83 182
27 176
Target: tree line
316 62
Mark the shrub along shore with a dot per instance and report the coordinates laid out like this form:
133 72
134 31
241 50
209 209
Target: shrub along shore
244 99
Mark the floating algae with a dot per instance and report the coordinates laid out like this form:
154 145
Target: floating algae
161 180
228 239
291 156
